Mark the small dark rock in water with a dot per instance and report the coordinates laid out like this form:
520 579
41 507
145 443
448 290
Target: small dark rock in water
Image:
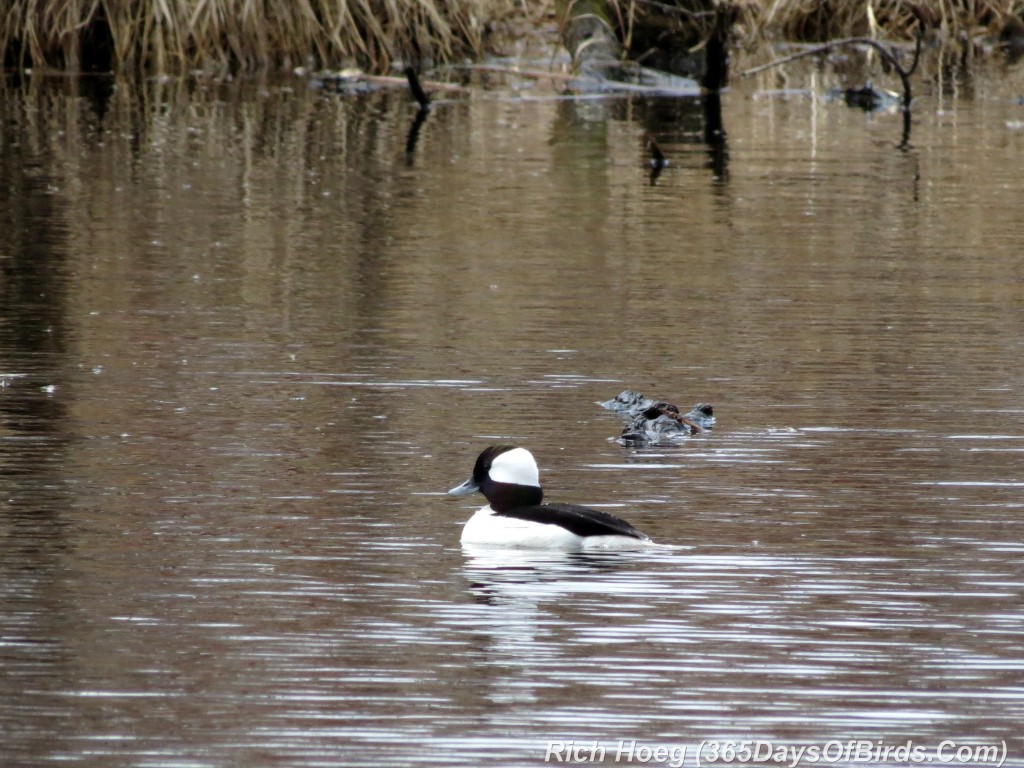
651 422
658 159
866 97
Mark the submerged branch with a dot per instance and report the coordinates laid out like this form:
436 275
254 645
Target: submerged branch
417 90
826 47
886 53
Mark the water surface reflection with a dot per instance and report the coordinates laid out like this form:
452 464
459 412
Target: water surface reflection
247 342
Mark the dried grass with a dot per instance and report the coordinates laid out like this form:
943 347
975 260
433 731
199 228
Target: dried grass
157 36
221 36
820 20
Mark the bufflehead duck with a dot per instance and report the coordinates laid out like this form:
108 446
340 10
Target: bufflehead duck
651 421
515 517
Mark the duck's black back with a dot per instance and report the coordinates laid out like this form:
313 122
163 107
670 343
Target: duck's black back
582 521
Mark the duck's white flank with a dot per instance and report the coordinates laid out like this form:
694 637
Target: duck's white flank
487 529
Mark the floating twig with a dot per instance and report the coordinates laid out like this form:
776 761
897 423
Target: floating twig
533 74
348 78
602 86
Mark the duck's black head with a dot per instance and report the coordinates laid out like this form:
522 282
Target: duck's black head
507 475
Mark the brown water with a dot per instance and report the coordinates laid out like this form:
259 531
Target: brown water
247 341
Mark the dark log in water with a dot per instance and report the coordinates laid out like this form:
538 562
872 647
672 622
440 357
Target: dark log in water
687 38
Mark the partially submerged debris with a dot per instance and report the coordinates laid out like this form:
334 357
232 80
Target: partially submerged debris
656 422
866 97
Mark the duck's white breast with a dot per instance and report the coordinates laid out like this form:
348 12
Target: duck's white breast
488 529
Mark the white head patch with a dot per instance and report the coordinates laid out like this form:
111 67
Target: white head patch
515 466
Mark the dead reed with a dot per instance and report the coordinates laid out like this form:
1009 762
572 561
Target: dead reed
820 20
224 36
157 36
